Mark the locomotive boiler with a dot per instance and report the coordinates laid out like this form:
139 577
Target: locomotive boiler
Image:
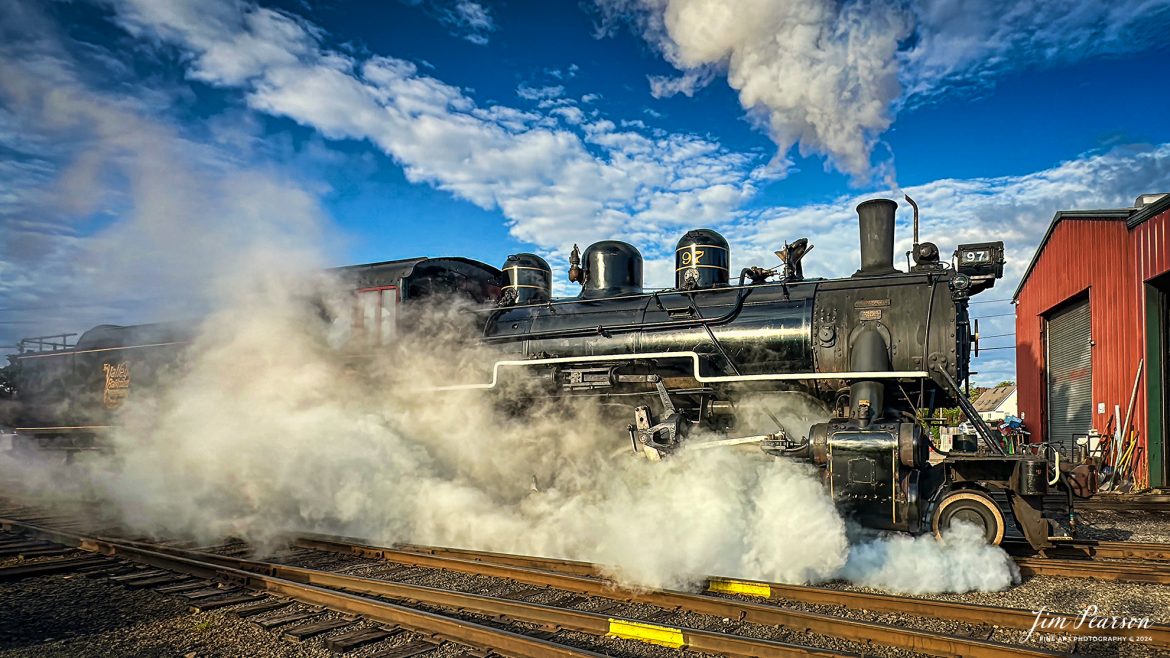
872 350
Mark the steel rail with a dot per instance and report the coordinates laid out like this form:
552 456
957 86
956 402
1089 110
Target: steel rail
1118 550
1138 503
1123 572
1127 572
478 635
523 570
961 612
323 583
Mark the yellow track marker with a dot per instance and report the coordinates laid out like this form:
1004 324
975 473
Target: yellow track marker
744 587
633 630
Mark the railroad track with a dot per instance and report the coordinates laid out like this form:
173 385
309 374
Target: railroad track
1143 503
1116 550
1094 569
1088 565
502 564
396 603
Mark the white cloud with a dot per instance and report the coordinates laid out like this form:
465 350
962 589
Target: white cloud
828 77
564 174
965 43
467 19
531 93
557 182
663 86
1014 209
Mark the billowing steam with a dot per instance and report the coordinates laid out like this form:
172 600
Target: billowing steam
268 428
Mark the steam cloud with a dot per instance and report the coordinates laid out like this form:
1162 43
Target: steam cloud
267 429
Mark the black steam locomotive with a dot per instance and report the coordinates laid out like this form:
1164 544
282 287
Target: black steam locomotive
873 348
873 351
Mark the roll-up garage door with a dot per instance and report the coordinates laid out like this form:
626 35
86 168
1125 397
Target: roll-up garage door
1070 375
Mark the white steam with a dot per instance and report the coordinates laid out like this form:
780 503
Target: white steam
268 429
960 562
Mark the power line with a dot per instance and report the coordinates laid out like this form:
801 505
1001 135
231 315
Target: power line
997 335
990 301
988 349
1000 315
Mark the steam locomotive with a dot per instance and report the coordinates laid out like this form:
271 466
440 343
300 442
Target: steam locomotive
876 351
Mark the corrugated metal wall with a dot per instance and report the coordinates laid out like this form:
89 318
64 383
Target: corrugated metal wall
1150 258
1082 256
1111 263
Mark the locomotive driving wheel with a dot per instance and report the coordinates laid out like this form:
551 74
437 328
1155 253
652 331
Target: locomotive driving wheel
973 508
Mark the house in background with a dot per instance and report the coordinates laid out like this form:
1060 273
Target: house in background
997 403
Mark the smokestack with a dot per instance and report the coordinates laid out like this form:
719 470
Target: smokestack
876 219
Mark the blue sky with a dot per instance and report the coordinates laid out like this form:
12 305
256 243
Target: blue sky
145 143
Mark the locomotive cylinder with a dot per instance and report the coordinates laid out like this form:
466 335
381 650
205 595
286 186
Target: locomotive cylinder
876 220
529 278
612 268
702 259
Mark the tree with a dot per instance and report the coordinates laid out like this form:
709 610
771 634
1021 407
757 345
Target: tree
7 381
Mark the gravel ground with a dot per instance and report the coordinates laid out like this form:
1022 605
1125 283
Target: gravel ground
69 615
1125 526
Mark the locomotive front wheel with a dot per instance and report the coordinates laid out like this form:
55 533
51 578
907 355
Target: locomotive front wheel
973 508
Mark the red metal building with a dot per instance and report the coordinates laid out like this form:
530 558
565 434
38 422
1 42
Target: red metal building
1091 309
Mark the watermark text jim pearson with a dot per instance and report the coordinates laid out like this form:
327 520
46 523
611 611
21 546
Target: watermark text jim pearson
1089 618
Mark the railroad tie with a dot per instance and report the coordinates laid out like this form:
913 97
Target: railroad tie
169 579
281 620
215 604
101 564
207 593
361 637
17 551
141 574
43 568
568 601
45 552
661 615
415 648
19 544
260 608
312 629
114 570
186 587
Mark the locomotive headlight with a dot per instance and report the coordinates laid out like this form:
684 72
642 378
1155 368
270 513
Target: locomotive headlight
960 282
